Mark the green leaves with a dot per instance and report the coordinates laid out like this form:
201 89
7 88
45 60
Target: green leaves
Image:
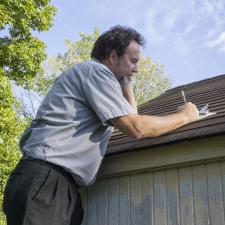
21 59
24 16
11 127
150 81
21 54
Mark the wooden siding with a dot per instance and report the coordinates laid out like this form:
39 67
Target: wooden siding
180 184
186 153
188 195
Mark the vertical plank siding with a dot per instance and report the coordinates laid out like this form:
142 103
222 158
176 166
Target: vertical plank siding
147 199
200 195
92 205
172 199
159 204
186 196
114 204
136 200
223 184
191 195
103 201
215 193
124 201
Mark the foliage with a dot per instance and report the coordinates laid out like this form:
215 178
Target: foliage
150 81
11 127
21 53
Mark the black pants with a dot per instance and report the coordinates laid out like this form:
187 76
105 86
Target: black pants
38 193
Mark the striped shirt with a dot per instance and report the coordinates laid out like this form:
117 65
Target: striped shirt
71 127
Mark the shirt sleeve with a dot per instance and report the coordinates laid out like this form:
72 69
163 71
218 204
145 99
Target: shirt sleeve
104 94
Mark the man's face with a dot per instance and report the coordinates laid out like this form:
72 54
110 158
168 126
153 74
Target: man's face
126 65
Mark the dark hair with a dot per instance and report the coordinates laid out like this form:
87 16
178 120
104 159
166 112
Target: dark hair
118 38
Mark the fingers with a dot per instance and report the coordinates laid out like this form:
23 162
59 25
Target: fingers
190 111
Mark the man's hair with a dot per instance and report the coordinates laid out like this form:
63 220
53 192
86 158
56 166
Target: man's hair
117 38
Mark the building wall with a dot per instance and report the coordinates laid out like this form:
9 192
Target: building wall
192 193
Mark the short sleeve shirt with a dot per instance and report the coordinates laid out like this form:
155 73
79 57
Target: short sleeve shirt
71 127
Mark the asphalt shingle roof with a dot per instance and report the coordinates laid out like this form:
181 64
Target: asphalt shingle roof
211 91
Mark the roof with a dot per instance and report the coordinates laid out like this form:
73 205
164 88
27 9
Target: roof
211 91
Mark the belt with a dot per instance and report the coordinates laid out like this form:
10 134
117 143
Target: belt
60 169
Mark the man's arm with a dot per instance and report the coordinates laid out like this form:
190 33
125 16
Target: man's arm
141 126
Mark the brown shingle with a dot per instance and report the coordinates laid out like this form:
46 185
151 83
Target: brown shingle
211 91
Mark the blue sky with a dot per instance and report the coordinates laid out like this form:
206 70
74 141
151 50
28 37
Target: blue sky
186 36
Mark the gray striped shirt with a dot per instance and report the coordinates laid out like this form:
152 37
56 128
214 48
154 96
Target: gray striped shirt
71 128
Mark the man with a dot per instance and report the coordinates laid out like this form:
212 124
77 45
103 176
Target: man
66 142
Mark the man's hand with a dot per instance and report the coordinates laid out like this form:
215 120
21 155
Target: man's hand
190 111
128 93
126 81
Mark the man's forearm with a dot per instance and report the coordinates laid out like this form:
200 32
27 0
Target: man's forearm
128 93
142 126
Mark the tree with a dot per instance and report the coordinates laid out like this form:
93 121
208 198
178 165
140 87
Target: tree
21 55
11 127
150 81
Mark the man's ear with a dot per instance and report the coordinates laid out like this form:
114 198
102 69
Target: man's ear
113 57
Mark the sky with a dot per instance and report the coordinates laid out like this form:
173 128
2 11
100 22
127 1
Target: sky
186 36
